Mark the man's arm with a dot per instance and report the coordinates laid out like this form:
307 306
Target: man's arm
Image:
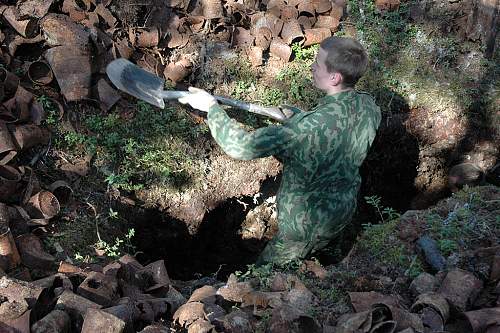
241 144
234 140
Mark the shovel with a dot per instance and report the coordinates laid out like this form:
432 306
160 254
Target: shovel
148 87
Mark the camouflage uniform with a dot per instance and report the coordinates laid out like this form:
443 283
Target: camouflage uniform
321 151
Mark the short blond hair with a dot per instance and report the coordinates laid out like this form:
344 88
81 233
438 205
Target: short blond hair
347 57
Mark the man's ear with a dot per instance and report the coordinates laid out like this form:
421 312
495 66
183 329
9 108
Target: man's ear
336 79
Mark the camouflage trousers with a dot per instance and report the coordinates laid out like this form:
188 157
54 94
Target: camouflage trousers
307 225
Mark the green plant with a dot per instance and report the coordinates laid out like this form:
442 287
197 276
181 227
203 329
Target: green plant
51 110
119 247
447 246
385 213
304 53
381 241
462 226
112 214
240 91
299 89
154 147
415 268
263 273
272 96
331 295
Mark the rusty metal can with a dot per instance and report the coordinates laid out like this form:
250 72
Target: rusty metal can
9 256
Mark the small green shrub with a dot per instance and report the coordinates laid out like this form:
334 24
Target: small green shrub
381 241
299 87
304 53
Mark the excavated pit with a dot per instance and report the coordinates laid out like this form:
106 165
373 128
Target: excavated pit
401 168
219 248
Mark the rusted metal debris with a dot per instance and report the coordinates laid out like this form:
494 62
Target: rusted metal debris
96 320
107 95
124 293
62 190
43 205
32 252
7 152
34 8
39 72
460 288
99 288
25 27
55 321
72 69
9 255
169 25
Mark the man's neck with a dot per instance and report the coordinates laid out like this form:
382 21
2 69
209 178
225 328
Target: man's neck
336 90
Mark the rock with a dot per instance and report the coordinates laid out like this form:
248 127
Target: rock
411 226
423 283
464 174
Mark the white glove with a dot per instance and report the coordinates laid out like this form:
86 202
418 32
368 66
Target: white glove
198 99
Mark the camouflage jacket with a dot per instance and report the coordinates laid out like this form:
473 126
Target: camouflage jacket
321 151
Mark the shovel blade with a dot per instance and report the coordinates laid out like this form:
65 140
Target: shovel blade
135 81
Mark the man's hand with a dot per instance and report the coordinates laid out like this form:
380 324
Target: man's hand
198 99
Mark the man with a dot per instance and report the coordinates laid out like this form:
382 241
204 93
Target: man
321 151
